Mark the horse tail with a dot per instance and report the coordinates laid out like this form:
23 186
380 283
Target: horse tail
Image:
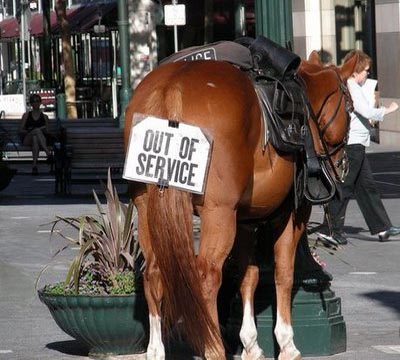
171 231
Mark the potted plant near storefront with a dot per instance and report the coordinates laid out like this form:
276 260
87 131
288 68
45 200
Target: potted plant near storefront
101 302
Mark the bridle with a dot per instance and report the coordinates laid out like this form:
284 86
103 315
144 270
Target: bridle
328 153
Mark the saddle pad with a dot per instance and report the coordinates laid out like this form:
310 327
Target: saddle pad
229 51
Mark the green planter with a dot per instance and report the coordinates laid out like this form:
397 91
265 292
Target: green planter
107 325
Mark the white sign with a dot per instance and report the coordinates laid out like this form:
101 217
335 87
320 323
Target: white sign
175 15
167 153
12 105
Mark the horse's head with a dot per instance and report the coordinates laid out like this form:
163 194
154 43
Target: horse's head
330 104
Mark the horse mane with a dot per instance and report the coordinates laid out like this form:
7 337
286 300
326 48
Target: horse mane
318 78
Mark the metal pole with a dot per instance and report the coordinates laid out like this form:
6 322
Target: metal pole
114 77
46 44
123 28
23 14
176 38
240 22
175 2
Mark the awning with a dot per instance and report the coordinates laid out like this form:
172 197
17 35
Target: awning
89 15
36 25
81 19
9 28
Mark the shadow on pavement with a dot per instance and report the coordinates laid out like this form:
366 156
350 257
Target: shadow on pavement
389 299
40 190
359 233
388 182
70 347
175 350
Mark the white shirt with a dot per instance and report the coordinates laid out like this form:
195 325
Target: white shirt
363 112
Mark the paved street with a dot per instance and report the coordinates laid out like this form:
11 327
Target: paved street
366 272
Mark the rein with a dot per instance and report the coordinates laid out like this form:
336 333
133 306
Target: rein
326 156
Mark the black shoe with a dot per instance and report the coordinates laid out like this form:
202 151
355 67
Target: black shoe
339 238
335 239
392 231
35 171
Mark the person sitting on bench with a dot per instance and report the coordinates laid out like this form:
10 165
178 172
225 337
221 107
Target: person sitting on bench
34 129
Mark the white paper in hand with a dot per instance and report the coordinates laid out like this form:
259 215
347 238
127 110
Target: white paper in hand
368 90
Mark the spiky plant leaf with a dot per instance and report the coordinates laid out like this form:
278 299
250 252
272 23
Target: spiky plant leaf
107 247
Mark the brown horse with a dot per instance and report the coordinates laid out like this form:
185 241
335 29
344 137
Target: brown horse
245 181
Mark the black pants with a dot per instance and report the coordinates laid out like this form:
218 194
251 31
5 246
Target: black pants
360 183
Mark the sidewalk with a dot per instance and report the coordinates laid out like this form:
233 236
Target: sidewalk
365 272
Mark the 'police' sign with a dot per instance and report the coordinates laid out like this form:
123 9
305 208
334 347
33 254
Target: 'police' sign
167 153
204 54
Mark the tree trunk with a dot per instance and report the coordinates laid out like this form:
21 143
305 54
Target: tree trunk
46 44
143 39
69 71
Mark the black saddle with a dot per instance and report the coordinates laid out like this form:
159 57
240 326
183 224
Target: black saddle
273 70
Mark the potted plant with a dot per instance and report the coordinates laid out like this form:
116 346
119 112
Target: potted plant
6 174
101 302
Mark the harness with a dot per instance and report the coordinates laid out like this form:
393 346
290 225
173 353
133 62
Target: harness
285 109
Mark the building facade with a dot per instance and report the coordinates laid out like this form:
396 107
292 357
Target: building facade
334 27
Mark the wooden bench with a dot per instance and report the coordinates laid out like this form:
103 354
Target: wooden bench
90 122
86 153
13 150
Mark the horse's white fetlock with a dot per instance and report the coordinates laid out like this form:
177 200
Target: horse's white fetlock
255 353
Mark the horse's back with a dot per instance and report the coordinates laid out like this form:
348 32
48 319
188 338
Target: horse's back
195 91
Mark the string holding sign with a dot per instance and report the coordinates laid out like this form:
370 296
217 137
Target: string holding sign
169 155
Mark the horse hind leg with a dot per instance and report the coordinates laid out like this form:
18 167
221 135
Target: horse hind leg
155 348
244 252
218 228
152 284
284 253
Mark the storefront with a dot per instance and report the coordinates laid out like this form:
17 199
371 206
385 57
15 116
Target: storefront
94 39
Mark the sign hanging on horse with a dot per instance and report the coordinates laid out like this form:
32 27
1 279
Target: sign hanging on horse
167 153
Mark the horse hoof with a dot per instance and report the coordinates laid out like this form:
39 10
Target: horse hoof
294 356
